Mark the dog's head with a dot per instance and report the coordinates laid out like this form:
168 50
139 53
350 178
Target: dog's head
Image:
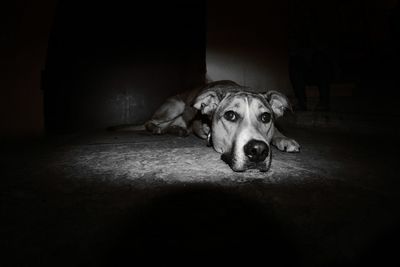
242 124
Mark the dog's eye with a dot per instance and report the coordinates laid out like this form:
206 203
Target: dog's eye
265 117
231 116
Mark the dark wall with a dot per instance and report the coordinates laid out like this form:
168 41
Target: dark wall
111 63
114 62
359 36
24 29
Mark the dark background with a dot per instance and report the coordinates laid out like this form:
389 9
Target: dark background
114 62
73 65
106 197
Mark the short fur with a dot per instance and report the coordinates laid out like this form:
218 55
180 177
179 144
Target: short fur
202 110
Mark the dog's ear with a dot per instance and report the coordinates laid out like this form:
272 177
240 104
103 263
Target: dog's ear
278 102
208 101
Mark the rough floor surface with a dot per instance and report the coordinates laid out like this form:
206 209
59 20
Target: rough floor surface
133 199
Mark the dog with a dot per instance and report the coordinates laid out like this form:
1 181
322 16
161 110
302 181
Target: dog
237 121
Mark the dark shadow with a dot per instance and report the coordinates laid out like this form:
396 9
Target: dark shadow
384 250
199 226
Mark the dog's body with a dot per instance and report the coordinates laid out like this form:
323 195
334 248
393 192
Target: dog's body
238 122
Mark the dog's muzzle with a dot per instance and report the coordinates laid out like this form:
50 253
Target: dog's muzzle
256 155
256 151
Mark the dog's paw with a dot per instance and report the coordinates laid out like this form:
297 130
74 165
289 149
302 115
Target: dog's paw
177 130
154 129
286 144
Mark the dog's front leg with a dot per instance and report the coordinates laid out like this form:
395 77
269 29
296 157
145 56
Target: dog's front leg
284 143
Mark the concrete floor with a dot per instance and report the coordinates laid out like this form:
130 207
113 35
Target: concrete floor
105 199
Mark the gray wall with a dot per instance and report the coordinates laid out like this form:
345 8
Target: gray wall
247 43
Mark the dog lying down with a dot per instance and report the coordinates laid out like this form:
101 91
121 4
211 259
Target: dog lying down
236 121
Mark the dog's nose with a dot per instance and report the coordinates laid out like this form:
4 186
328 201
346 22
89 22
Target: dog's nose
256 150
